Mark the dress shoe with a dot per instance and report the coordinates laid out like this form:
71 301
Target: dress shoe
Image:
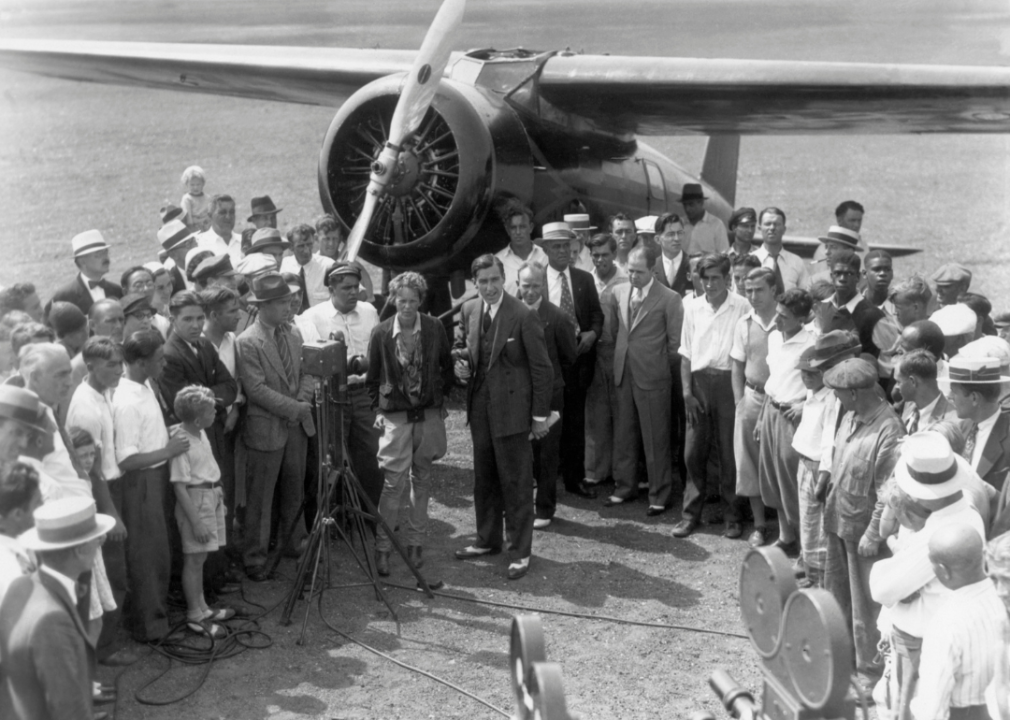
655 510
615 500
382 563
258 574
685 527
103 698
519 568
757 538
296 552
583 491
414 556
541 523
593 482
472 551
734 530
791 549
120 658
228 588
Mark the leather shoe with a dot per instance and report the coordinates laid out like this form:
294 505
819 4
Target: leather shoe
685 527
382 563
541 523
655 510
120 658
615 500
583 491
757 538
414 556
734 530
258 574
472 551
519 569
591 482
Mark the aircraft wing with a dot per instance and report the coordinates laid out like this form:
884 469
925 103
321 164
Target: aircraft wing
805 247
643 95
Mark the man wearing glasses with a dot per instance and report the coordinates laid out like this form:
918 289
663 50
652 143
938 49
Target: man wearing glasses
518 221
849 310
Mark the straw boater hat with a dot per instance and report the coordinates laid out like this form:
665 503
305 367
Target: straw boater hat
89 241
975 370
928 469
579 221
173 234
554 232
268 287
841 236
22 406
66 523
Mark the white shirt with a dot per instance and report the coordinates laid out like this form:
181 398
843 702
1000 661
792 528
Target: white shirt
619 277
511 261
807 438
92 411
356 325
226 351
315 275
585 261
57 477
672 266
708 236
959 651
784 383
984 431
210 240
306 328
792 267
706 338
140 427
639 294
97 292
492 310
14 560
924 415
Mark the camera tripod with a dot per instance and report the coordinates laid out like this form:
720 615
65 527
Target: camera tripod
347 518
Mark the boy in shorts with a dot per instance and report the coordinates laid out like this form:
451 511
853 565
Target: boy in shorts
199 507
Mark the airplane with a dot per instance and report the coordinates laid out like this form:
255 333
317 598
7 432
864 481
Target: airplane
426 144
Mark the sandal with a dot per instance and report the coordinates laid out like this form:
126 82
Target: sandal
205 627
220 614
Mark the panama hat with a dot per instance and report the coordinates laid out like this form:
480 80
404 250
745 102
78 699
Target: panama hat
66 523
555 232
928 469
267 237
842 236
173 234
87 242
23 406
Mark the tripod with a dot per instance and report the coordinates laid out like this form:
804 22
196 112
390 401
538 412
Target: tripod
335 474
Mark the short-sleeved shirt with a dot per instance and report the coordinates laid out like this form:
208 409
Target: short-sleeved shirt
816 411
785 384
356 326
750 346
708 236
210 240
706 338
92 411
315 275
512 262
140 426
197 465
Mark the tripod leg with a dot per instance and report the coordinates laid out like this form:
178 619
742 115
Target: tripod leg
379 592
321 547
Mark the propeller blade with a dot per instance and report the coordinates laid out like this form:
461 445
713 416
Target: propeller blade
415 98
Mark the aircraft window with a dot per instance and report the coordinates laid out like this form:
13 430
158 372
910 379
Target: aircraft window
657 188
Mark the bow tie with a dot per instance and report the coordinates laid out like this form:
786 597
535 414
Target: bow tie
94 283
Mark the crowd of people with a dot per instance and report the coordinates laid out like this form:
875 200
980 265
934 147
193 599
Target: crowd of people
158 440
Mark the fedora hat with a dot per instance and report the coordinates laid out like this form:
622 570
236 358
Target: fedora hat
692 191
173 234
87 242
842 236
263 206
214 267
268 287
829 349
66 523
267 237
556 231
256 264
928 469
170 212
579 221
22 406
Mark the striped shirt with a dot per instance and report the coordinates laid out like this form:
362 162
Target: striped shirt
959 651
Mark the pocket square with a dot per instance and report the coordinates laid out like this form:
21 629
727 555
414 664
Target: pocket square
511 340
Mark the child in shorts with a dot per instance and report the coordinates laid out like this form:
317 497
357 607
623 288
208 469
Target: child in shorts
199 507
195 204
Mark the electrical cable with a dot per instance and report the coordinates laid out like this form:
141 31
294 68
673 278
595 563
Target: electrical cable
584 616
862 697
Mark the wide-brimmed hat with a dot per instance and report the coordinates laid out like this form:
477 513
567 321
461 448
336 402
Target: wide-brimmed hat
173 234
928 469
554 232
829 349
170 212
692 191
974 370
87 242
214 267
66 523
263 206
842 236
579 221
267 237
268 287
255 264
23 406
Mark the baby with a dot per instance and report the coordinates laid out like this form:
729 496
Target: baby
195 204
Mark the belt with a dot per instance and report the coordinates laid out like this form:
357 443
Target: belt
711 371
203 486
760 389
780 406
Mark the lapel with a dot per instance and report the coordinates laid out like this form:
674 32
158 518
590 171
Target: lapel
993 445
185 354
270 351
83 292
680 279
624 304
659 272
542 314
506 314
648 303
473 336
940 410
69 604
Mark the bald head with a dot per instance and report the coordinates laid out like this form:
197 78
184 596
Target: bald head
957 554
923 334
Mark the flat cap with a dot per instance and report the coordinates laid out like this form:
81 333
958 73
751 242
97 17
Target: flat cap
134 303
214 267
954 320
740 215
851 374
951 273
343 267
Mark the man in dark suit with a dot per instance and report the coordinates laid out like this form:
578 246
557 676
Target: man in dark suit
560 340
573 291
975 386
278 423
647 318
46 650
509 383
91 255
924 405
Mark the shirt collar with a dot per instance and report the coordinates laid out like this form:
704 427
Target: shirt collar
537 304
850 305
929 408
552 274
494 306
397 328
802 336
645 291
761 323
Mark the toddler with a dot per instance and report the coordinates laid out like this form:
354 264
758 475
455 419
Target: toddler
195 205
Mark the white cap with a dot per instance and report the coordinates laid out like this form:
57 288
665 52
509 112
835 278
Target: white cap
646 224
955 319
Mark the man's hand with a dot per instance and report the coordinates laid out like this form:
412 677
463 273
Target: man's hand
586 341
462 370
200 532
540 429
231 420
794 413
304 411
118 533
177 444
692 409
867 547
823 486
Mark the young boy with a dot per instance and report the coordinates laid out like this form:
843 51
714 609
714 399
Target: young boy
199 508
195 204
85 450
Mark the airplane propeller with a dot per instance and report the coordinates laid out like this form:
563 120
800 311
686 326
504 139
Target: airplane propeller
415 98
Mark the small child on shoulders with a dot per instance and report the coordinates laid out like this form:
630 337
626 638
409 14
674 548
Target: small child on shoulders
195 204
199 508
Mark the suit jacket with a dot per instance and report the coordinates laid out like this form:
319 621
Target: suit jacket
994 464
559 336
76 292
178 279
681 281
46 653
943 411
648 346
589 313
384 377
519 374
273 404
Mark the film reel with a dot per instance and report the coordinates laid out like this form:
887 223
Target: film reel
536 683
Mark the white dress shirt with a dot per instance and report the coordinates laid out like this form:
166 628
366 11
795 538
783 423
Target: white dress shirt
315 275
140 427
97 292
210 240
511 261
784 383
807 438
793 267
57 477
672 266
226 351
92 411
357 325
708 236
706 338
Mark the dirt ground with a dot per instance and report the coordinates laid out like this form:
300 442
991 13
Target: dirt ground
592 560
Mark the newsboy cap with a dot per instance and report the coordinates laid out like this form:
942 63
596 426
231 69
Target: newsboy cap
951 273
851 374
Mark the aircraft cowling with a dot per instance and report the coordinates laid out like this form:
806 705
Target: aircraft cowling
469 153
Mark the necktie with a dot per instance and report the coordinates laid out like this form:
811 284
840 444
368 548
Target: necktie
92 284
305 292
567 304
969 443
636 305
281 338
670 275
780 286
913 421
485 321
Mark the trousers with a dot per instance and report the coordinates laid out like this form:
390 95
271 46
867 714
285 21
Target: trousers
847 577
714 391
601 402
643 420
745 447
546 456
777 463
